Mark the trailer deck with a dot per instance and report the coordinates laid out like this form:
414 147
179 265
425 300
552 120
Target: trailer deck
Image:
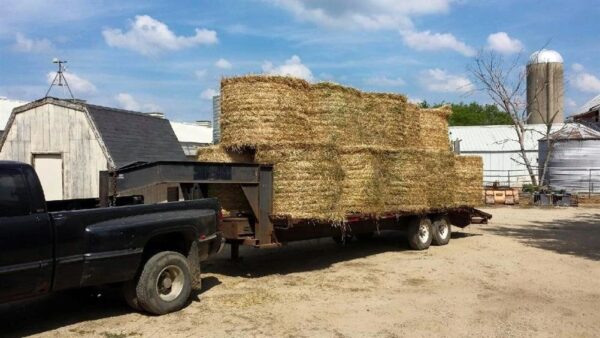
260 228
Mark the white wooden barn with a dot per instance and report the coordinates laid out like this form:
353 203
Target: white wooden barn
69 142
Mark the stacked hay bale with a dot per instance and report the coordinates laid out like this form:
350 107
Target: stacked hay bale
263 110
230 196
363 185
337 150
433 129
336 114
306 180
221 154
469 178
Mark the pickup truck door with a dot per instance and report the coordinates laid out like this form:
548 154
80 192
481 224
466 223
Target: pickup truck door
26 246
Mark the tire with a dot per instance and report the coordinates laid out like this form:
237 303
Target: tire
165 283
129 294
442 230
365 236
420 233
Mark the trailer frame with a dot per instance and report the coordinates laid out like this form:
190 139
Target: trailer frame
262 229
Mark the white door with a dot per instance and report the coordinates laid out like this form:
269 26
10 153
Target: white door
49 168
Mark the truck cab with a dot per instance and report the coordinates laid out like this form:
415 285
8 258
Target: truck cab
152 251
26 235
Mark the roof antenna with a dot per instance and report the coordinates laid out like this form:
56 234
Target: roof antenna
59 79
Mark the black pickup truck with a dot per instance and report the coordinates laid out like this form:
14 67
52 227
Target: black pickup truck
152 251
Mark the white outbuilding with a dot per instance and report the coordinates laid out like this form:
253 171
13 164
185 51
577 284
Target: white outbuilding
500 150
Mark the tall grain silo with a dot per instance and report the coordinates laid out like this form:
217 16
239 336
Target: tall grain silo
545 87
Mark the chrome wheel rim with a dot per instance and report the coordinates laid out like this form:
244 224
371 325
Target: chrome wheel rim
423 233
443 229
170 283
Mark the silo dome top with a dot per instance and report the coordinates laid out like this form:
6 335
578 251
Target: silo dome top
545 56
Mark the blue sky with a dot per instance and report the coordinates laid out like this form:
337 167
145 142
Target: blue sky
169 56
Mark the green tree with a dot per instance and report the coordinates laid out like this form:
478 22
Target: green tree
475 114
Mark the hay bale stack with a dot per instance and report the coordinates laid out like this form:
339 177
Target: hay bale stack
363 184
434 128
263 111
418 180
336 114
337 150
307 180
220 154
469 180
230 196
390 121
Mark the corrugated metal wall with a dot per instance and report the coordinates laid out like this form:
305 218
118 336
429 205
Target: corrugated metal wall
574 165
216 119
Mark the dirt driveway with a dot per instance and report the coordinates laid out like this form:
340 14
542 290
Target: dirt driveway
531 272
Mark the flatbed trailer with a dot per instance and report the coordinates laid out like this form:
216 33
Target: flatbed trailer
260 228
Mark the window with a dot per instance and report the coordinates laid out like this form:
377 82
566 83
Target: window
14 199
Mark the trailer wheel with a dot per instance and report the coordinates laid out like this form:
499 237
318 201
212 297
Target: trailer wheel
441 230
165 283
420 233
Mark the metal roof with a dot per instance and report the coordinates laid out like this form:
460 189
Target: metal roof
575 131
545 56
592 104
192 133
497 138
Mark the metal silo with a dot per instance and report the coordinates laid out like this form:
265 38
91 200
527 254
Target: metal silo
574 164
545 87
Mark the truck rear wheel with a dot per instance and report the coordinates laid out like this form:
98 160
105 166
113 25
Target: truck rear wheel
441 230
165 283
420 233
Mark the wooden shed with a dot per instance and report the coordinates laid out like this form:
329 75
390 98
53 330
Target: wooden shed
69 142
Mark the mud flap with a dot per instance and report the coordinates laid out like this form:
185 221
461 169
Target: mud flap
193 259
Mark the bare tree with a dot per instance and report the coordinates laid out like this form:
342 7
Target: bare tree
505 83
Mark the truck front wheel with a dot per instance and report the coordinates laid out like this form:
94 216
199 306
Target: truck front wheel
420 233
165 283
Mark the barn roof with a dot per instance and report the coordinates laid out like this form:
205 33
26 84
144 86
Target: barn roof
500 138
135 137
128 136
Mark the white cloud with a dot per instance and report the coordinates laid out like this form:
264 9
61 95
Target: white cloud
577 67
128 102
366 14
223 64
149 36
428 41
502 43
208 94
415 100
77 84
584 81
438 80
386 81
570 103
200 74
27 45
291 67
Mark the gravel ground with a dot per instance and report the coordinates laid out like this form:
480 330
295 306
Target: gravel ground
530 272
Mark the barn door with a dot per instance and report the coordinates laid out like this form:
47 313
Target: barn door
49 168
